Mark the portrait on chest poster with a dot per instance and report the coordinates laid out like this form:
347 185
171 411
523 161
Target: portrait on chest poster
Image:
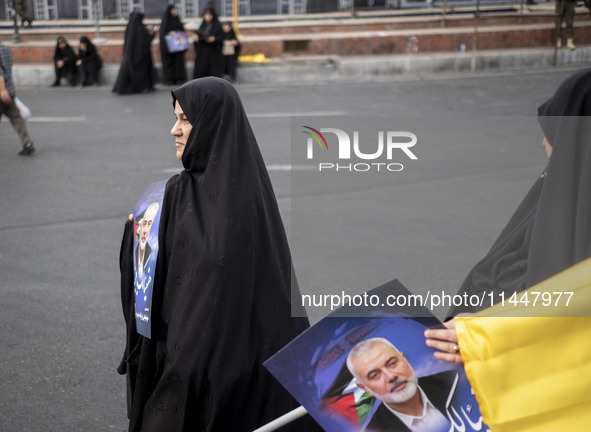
371 371
145 250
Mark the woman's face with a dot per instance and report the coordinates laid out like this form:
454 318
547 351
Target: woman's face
547 146
181 130
173 11
83 46
207 17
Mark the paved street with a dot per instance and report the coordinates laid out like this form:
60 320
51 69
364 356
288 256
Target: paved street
62 213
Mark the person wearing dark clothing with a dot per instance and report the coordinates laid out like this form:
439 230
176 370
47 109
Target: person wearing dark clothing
136 74
89 62
408 403
64 61
208 46
173 63
551 229
435 387
223 281
22 10
565 11
230 51
7 103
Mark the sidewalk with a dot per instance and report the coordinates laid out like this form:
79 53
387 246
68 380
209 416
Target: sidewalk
306 69
339 47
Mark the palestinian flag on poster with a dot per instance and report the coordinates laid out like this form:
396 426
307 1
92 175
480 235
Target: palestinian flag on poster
346 399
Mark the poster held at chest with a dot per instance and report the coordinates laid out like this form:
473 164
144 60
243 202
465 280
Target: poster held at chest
177 42
145 250
372 371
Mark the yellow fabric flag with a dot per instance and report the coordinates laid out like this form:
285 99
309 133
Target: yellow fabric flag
530 365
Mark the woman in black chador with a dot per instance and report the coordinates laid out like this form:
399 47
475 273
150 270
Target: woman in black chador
230 51
551 229
208 46
64 61
222 285
89 62
136 73
173 63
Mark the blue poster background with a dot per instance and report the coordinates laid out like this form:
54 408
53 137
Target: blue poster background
145 251
313 366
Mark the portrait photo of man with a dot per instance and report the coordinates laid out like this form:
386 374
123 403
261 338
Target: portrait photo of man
408 403
143 251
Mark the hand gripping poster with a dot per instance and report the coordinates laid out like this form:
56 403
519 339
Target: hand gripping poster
145 250
375 373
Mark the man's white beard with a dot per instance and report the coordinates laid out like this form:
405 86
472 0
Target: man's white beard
401 396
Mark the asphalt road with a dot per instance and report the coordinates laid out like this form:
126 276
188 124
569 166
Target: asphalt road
62 213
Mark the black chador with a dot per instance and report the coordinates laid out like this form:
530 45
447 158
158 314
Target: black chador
208 47
223 283
136 73
551 229
173 63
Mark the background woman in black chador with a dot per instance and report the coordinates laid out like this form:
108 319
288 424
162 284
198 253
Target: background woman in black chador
221 299
136 73
173 63
551 229
64 61
208 46
89 62
230 51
